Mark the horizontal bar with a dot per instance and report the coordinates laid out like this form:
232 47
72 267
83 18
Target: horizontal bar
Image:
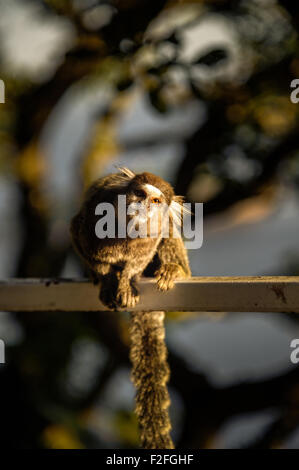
198 294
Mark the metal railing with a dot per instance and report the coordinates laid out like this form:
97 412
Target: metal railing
198 294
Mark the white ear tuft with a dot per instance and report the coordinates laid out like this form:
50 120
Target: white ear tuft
176 210
126 172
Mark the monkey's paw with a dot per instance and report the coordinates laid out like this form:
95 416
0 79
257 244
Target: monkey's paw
127 297
106 297
166 275
95 279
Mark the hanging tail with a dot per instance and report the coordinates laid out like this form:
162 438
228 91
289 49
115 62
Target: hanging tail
150 374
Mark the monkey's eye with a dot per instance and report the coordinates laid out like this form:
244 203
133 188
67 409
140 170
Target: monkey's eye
156 200
140 193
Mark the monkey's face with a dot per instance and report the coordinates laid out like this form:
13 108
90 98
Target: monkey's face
147 197
151 205
147 205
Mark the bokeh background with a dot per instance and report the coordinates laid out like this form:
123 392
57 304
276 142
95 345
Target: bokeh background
199 93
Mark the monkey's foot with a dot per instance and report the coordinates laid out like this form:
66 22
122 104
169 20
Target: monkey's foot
106 297
166 275
127 296
94 278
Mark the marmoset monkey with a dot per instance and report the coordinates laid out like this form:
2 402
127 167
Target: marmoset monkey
117 262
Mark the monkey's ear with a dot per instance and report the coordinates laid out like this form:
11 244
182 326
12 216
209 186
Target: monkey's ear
179 199
177 209
126 172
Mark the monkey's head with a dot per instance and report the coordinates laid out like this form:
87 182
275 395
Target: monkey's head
150 188
148 195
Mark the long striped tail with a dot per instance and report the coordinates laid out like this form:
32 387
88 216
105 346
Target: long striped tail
150 374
